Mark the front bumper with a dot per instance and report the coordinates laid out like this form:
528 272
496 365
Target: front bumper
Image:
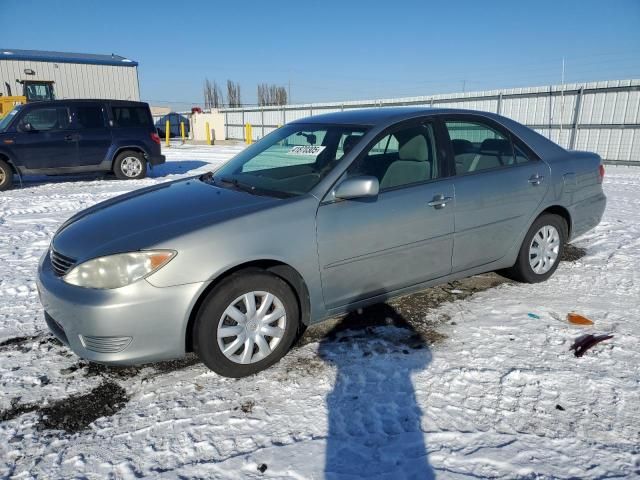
135 324
157 159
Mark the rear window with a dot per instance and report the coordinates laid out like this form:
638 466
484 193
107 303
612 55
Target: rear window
131 117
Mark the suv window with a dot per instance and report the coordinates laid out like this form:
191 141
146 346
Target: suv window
404 157
131 117
477 146
89 116
47 118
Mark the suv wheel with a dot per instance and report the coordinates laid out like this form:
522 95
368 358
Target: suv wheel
541 250
130 166
246 324
6 176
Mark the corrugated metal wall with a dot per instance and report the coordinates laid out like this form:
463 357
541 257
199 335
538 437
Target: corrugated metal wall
603 117
73 80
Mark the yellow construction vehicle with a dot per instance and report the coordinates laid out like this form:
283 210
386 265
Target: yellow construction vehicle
7 103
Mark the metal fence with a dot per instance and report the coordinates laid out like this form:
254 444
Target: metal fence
602 117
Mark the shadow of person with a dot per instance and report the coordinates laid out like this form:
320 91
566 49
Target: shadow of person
374 419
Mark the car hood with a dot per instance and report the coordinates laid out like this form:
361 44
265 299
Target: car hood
146 217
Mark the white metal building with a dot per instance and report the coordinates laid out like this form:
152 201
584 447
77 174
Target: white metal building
41 75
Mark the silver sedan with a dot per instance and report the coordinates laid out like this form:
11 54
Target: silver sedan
322 216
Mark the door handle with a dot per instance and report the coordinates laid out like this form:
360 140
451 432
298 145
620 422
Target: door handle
536 179
439 201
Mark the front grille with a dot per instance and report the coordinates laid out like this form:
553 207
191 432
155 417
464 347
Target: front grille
105 344
61 264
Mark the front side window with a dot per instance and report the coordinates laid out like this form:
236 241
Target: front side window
88 117
477 146
46 118
291 160
404 157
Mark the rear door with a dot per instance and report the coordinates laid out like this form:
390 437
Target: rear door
499 184
49 143
89 122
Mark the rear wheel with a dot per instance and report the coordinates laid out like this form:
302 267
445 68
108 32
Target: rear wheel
541 250
6 176
246 324
130 165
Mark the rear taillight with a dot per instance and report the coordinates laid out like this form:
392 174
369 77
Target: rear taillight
155 137
601 172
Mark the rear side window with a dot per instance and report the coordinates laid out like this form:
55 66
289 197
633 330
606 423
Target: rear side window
131 117
49 118
477 146
88 117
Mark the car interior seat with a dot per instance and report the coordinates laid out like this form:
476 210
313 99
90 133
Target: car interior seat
413 164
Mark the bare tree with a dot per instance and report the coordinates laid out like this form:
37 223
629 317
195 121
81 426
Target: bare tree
212 95
233 94
271 95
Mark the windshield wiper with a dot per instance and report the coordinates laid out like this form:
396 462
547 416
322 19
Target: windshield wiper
245 187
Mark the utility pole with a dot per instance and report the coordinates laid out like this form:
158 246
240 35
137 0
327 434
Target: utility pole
464 86
289 92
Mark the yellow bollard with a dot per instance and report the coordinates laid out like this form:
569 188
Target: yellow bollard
208 133
182 131
167 128
248 134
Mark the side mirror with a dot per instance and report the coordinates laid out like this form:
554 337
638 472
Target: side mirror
357 187
27 127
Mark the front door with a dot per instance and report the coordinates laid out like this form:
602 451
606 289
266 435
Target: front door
44 139
94 136
499 186
369 247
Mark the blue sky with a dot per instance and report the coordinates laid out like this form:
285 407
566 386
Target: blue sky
339 50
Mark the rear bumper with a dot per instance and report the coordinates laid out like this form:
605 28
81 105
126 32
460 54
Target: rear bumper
157 159
135 324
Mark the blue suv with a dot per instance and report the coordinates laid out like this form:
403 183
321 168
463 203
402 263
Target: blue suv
74 136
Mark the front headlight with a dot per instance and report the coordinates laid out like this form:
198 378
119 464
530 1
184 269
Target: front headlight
118 270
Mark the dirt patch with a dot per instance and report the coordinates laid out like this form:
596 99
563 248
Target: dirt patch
75 413
571 253
408 311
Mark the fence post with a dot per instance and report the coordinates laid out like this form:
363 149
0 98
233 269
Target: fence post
262 119
576 119
167 129
226 125
182 131
208 133
499 108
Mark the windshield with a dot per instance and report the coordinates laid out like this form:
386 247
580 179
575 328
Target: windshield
291 160
6 120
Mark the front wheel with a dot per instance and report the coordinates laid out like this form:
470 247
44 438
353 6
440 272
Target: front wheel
541 250
246 324
130 166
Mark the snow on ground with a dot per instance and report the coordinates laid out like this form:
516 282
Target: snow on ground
494 393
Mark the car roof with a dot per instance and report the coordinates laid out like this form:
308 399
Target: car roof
384 115
90 100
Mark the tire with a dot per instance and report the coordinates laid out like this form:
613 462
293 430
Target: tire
214 314
523 270
6 176
130 165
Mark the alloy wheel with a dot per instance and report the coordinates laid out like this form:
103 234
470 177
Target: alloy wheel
131 166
